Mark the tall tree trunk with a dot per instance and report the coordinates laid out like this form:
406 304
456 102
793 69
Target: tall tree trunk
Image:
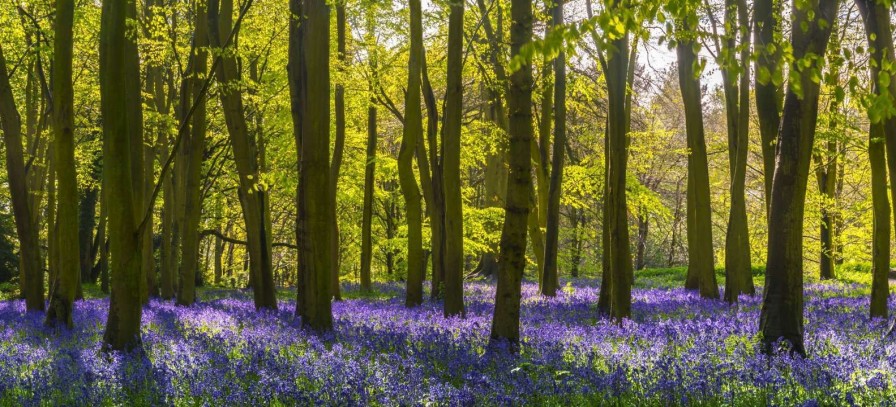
339 146
436 204
701 271
451 130
192 150
253 193
782 307
370 161
550 281
309 75
826 176
879 32
64 287
123 324
410 136
768 83
736 78
31 275
512 258
618 267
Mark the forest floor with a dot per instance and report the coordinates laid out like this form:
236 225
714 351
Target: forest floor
677 349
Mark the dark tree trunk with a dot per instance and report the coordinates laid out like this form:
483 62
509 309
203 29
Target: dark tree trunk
550 280
309 76
512 260
781 316
453 260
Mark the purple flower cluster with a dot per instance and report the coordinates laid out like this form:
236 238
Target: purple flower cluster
678 349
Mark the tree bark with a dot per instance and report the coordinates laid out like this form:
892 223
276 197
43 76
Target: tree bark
31 275
701 271
123 324
339 146
550 281
879 32
253 192
309 75
767 37
411 135
512 258
781 316
64 287
736 78
451 130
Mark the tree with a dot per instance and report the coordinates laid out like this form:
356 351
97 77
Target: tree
309 79
252 192
512 258
736 85
453 218
339 145
123 323
370 159
191 150
781 316
769 70
413 130
701 271
31 275
549 276
881 113
64 287
618 271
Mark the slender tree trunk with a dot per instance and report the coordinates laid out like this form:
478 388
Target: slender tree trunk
641 246
550 281
451 130
253 193
826 175
370 162
436 205
339 146
618 267
782 308
738 269
879 32
192 149
123 324
512 259
31 275
411 135
309 75
701 271
86 227
769 78
64 287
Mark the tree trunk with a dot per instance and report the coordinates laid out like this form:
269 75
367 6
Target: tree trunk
339 146
512 258
436 205
64 287
370 162
410 136
123 324
309 75
192 149
701 271
769 78
550 281
879 32
641 246
451 130
736 78
31 275
253 193
618 267
781 316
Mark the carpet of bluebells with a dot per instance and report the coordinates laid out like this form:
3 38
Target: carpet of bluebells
677 350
